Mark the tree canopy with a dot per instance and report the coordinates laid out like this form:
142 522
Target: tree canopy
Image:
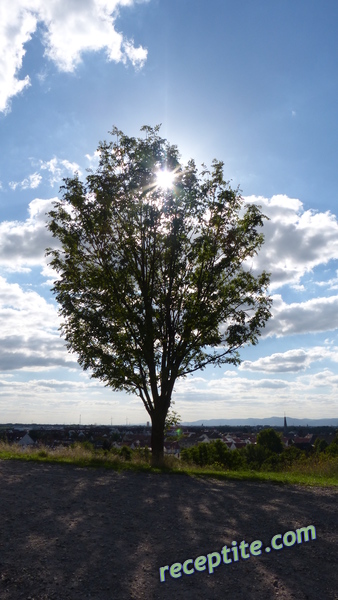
270 440
154 271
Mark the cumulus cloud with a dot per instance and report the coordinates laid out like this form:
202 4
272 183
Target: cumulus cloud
29 336
24 312
16 28
36 351
23 243
312 316
296 241
70 29
291 361
325 379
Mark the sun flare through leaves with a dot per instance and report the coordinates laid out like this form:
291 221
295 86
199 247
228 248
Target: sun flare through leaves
165 179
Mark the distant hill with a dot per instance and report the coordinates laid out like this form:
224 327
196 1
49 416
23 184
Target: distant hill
272 421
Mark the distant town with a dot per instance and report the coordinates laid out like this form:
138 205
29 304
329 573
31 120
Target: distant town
139 436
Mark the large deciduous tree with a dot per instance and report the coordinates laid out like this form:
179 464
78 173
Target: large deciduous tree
154 279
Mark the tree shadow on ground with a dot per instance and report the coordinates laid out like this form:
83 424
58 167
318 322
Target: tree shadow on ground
71 533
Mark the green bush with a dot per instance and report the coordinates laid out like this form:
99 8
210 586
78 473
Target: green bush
142 454
236 460
270 440
255 456
213 453
86 445
199 455
272 463
126 453
291 455
258 457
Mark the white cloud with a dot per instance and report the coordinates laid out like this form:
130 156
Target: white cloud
312 316
71 27
29 336
296 241
52 384
230 388
137 56
32 181
35 351
58 168
16 28
324 379
35 312
227 385
51 400
93 158
291 361
331 284
23 243
313 396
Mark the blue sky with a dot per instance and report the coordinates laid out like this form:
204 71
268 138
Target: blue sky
251 83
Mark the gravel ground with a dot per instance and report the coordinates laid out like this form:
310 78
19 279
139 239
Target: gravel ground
71 534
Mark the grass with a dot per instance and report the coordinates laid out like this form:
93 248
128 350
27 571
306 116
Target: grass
316 471
76 455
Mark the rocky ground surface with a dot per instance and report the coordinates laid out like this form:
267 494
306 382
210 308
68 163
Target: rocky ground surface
71 534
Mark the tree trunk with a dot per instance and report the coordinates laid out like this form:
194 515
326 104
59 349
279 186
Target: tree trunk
157 437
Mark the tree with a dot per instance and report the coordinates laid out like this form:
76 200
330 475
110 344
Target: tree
154 280
270 440
320 445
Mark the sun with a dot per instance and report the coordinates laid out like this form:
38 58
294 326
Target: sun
165 179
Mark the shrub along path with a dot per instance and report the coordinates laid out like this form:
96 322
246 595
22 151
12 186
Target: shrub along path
68 533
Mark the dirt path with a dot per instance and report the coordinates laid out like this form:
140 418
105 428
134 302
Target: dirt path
70 533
